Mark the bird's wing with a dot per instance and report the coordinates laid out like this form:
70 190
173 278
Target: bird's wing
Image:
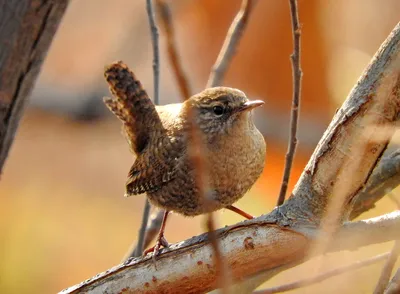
131 105
150 172
145 177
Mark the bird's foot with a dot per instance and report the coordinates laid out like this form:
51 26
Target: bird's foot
161 241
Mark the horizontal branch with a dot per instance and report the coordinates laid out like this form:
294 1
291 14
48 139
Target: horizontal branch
249 247
324 276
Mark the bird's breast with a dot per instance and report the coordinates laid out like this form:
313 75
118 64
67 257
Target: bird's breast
236 163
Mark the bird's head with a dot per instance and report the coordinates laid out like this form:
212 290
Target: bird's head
221 110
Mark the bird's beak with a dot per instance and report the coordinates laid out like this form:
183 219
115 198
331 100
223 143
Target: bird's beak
249 105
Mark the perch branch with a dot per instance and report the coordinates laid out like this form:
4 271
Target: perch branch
294 118
248 248
27 29
324 276
231 41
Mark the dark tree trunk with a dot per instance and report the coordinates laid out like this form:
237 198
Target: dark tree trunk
27 28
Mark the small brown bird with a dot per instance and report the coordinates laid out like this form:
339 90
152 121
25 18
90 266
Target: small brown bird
160 137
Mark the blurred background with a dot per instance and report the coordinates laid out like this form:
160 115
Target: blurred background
63 217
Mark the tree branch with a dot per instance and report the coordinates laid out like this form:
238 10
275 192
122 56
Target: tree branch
384 179
166 22
324 276
394 284
294 118
26 30
248 248
231 41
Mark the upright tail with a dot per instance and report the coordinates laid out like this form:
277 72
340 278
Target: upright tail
131 105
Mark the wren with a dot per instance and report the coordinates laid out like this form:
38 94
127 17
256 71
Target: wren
233 148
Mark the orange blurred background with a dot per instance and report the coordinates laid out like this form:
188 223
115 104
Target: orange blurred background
63 216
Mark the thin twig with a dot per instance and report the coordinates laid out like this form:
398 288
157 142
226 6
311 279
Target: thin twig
156 73
142 231
387 269
297 74
390 262
231 41
394 284
152 229
324 276
218 257
156 51
166 23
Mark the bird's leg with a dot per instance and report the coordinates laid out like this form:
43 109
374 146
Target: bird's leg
161 241
239 211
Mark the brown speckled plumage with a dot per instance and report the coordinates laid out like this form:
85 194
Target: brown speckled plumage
233 148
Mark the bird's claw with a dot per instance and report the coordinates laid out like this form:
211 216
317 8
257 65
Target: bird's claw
161 241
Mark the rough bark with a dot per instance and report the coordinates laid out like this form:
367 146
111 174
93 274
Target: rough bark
27 28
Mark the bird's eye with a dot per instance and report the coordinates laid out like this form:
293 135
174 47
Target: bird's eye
218 110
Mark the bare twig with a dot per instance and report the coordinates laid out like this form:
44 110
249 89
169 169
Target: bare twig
394 284
156 74
222 269
387 269
297 74
166 22
324 276
391 260
142 231
153 227
231 41
156 51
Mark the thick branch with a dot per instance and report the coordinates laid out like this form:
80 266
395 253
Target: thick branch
384 179
248 247
26 30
